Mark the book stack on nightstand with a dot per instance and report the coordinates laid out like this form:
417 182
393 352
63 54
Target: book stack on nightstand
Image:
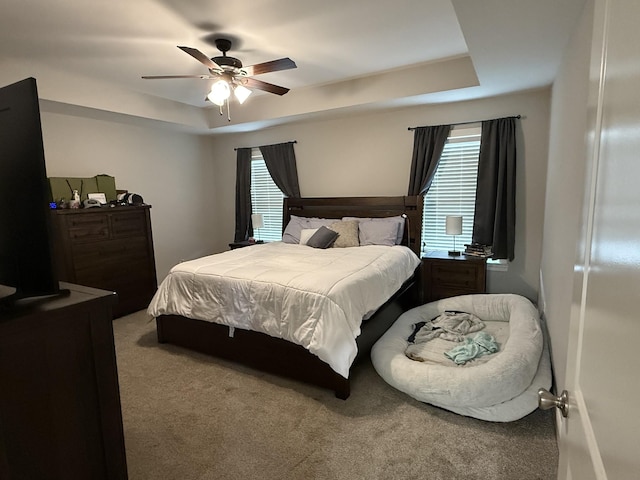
478 250
447 276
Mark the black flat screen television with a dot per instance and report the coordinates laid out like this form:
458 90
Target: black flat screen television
27 266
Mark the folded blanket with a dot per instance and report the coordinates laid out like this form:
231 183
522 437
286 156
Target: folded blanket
481 344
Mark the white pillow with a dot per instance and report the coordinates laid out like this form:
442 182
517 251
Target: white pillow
306 234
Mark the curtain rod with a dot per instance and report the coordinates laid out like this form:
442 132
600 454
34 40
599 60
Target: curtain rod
236 149
468 123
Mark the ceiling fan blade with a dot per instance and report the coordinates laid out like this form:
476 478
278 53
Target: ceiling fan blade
159 77
272 66
267 87
201 57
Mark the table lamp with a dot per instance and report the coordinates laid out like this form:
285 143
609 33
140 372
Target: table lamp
257 221
454 227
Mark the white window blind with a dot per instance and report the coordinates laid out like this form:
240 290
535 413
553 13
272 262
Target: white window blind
453 191
266 198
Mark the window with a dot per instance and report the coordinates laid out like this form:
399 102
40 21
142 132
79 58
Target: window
453 191
266 198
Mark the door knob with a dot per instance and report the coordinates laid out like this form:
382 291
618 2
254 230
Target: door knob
547 400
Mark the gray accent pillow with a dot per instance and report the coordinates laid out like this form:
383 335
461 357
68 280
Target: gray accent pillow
306 234
323 238
378 233
348 231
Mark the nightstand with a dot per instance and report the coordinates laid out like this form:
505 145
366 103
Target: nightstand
444 276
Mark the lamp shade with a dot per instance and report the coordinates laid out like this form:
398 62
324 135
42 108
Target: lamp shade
220 91
454 224
241 93
257 220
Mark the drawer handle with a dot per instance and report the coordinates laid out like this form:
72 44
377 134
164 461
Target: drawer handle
77 235
75 223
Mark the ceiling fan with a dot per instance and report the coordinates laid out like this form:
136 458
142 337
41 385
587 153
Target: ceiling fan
231 75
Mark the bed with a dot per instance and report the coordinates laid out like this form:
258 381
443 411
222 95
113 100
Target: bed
255 334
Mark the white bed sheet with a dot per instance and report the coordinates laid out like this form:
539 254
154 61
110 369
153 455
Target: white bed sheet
312 297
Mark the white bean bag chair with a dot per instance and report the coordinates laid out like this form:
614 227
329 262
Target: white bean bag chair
500 387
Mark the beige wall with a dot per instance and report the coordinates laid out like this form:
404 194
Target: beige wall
172 171
370 154
565 188
190 180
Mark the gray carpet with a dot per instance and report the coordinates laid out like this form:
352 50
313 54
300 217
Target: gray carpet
189 416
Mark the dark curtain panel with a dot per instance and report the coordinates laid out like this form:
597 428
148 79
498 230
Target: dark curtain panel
428 143
495 217
281 163
243 195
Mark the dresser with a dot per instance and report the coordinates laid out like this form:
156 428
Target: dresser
446 276
110 249
60 415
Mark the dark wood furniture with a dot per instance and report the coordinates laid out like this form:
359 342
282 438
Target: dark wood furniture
60 412
246 243
110 249
446 276
284 358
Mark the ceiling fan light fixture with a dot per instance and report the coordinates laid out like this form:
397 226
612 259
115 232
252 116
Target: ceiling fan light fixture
229 74
220 91
241 93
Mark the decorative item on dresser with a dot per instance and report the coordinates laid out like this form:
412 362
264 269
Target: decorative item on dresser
447 276
108 248
60 413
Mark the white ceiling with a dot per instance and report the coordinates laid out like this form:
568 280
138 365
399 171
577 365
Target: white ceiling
350 55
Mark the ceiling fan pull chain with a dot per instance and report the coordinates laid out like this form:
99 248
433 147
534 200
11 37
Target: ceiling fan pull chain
228 111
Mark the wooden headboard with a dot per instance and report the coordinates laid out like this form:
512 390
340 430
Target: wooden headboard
373 207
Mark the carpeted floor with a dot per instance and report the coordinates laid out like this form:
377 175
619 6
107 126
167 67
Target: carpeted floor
188 416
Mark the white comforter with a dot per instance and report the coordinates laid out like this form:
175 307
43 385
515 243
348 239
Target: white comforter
312 297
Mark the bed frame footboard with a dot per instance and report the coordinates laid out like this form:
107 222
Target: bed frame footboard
253 349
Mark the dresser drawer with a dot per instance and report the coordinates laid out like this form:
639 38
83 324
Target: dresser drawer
128 224
113 277
118 252
88 228
455 275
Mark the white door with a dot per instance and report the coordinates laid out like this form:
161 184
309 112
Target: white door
600 439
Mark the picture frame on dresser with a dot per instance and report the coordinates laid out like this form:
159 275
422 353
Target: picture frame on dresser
100 197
